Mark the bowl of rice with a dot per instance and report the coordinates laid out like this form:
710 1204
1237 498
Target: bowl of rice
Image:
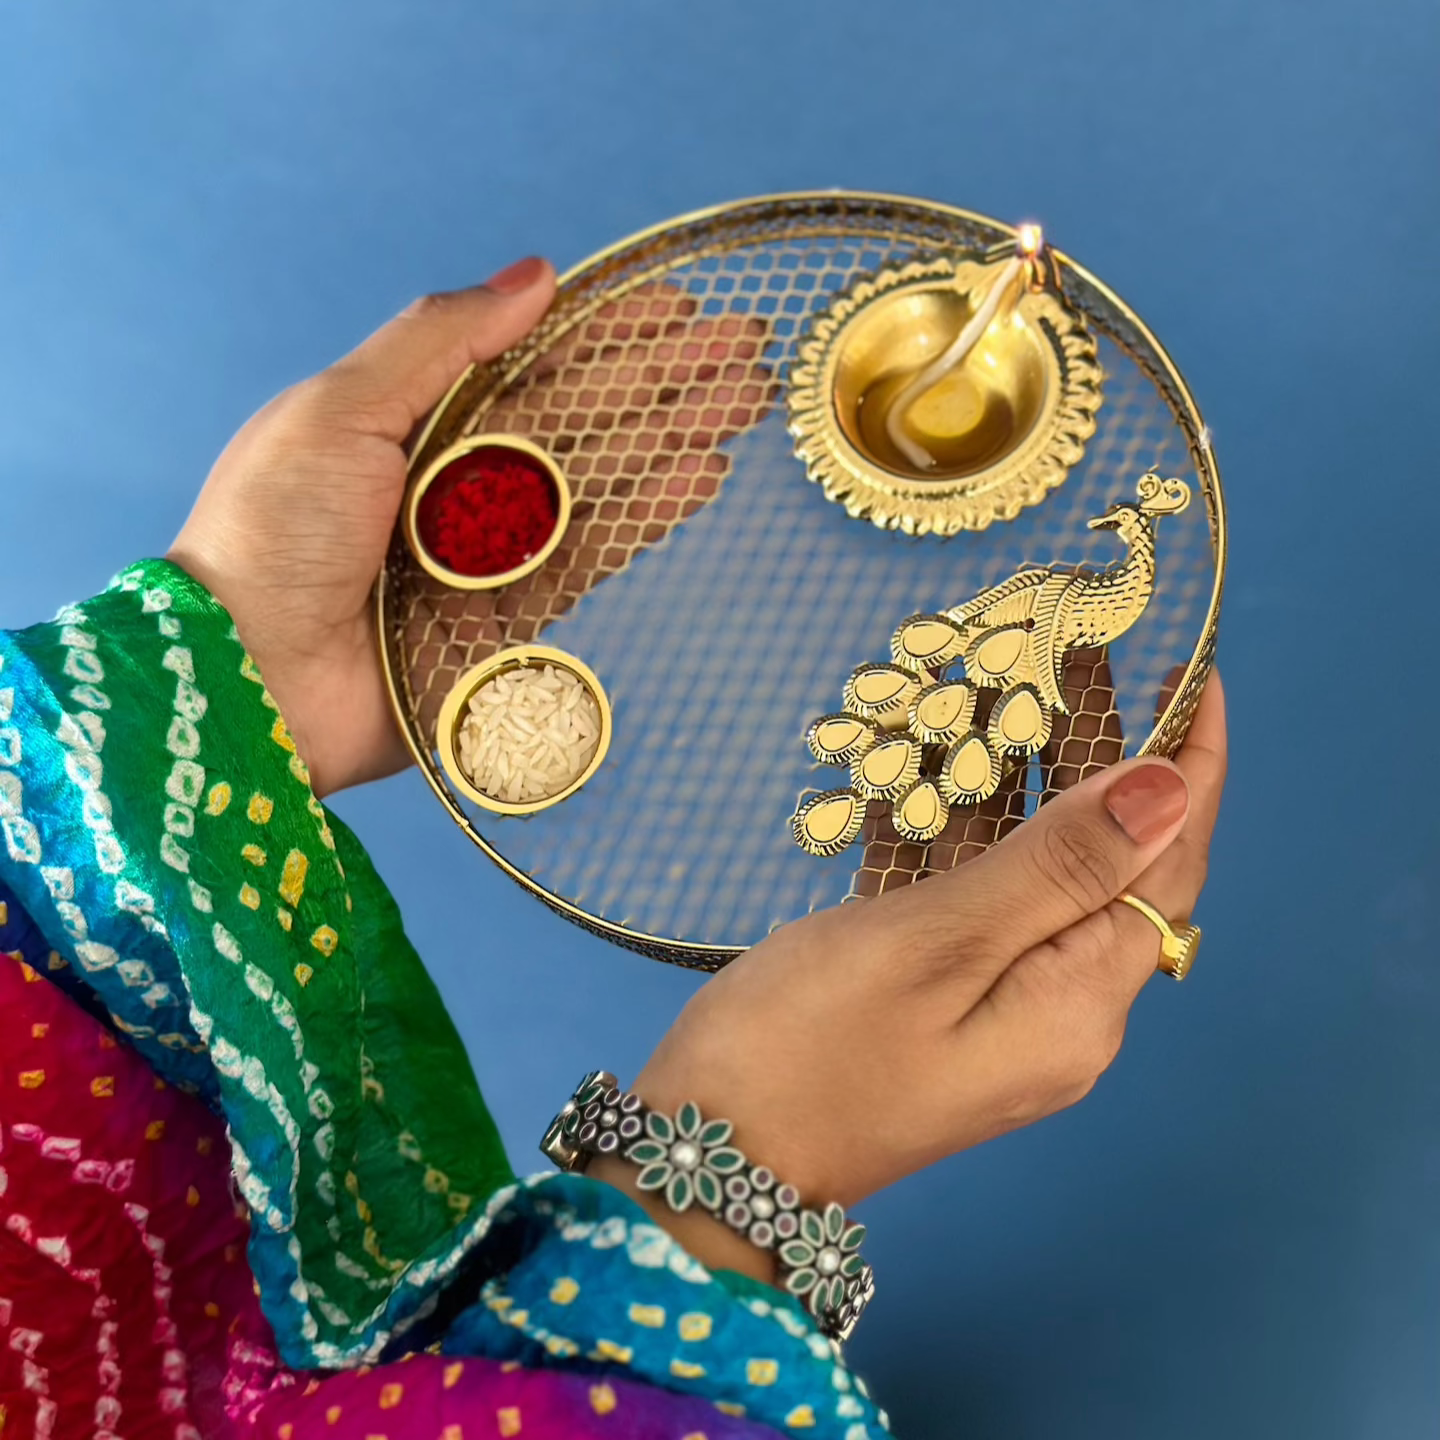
524 729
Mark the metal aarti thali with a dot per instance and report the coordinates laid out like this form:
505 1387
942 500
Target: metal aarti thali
737 542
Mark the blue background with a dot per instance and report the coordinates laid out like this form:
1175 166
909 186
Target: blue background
1238 1234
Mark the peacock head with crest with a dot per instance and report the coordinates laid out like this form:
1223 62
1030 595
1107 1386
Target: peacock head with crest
1156 496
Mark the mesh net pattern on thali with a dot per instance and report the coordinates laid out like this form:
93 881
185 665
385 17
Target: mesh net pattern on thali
723 600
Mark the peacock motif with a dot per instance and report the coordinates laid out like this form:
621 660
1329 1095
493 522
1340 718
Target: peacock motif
909 729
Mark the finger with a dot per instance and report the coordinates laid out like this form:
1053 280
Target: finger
641 315
1067 862
973 829
1174 881
1167 691
1090 738
1095 969
646 384
606 540
890 861
395 377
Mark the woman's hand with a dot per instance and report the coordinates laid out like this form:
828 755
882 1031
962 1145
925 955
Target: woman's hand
291 528
864 1043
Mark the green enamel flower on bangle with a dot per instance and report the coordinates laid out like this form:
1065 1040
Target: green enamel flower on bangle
823 1259
687 1160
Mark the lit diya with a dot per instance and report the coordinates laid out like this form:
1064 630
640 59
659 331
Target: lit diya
942 395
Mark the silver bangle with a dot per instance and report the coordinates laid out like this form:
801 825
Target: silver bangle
689 1160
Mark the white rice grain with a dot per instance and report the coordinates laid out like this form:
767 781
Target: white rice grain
528 734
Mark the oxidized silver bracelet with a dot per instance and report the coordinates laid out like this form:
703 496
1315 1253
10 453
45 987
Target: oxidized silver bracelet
689 1160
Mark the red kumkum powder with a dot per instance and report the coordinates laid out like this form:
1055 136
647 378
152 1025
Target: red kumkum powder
488 511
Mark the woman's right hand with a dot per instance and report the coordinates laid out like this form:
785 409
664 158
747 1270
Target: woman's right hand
861 1044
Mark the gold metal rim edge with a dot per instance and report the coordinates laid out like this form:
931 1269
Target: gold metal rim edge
695 954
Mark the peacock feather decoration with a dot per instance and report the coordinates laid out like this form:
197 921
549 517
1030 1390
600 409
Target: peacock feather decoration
909 730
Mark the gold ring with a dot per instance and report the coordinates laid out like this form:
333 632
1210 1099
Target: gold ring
1177 946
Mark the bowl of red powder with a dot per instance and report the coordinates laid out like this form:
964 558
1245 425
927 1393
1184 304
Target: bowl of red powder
487 511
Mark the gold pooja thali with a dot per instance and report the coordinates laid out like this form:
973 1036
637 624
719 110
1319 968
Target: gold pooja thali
806 547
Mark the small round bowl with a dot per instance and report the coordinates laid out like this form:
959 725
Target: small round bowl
452 712
1005 427
531 454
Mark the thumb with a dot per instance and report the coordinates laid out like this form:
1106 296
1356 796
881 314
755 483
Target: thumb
1068 861
396 377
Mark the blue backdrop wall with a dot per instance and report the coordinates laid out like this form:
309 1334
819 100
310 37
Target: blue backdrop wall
1238 1234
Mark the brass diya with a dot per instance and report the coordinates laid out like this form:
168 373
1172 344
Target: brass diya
724 599
900 437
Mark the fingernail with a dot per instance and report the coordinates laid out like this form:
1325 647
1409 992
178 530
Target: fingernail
517 277
1147 801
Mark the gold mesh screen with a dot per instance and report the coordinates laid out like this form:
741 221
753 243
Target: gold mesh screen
723 600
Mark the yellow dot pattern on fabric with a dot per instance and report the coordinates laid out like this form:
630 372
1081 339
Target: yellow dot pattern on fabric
31 1079
292 877
254 854
325 940
452 1432
507 1420
155 1130
285 918
250 897
285 1431
212 1310
192 1197
564 1290
609 1350
391 1396
686 1369
303 973
281 735
4 913
602 1399
762 1372
451 1377
332 1415
695 1435
102 1087
39 1030
218 800
729 1407
695 1326
800 1418
650 1316
204 1145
